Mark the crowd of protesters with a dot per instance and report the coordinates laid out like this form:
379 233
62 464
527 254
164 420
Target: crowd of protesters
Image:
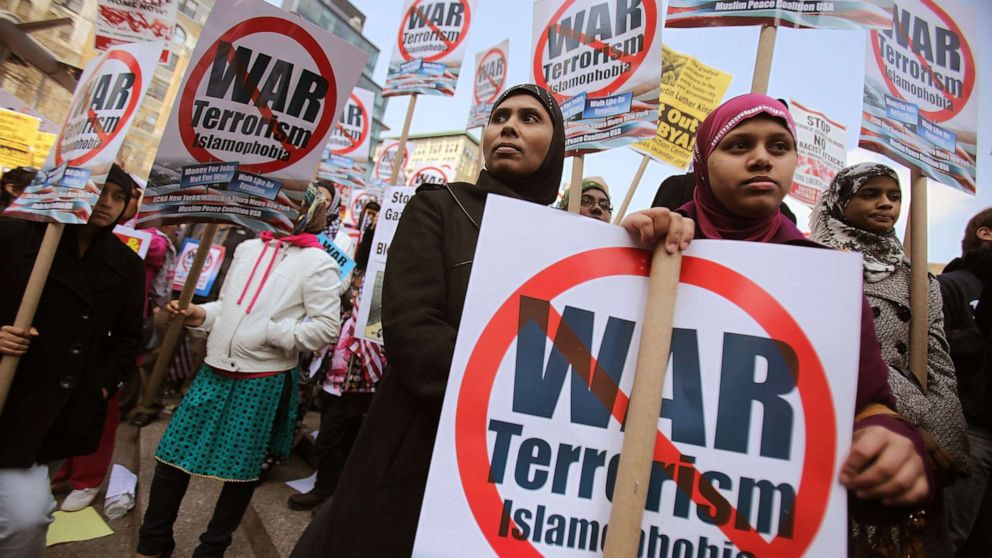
277 338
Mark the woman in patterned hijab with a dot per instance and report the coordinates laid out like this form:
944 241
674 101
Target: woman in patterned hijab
859 213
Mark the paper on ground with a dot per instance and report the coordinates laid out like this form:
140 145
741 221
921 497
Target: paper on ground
82 525
303 485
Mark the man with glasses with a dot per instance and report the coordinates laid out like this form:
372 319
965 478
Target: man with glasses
595 199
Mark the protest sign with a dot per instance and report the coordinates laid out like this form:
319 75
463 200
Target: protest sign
139 241
430 46
599 59
525 466
387 154
821 144
345 172
129 21
211 267
490 81
921 91
837 14
350 137
368 324
432 173
17 135
689 91
357 202
345 263
261 94
101 111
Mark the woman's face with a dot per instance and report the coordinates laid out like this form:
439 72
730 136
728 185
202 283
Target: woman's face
876 206
751 169
518 136
109 205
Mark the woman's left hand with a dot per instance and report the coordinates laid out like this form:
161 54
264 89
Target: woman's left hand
883 464
659 224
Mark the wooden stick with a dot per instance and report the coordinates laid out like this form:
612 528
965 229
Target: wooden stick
401 148
641 429
173 332
918 279
763 60
30 300
630 191
575 188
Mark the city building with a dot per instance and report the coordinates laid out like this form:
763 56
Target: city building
346 21
458 149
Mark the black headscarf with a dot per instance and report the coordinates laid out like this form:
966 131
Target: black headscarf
541 186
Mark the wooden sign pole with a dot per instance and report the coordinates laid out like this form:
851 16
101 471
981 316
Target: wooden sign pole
918 278
641 429
630 191
146 404
401 148
763 60
575 187
29 303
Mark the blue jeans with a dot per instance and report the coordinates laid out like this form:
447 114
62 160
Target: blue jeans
969 501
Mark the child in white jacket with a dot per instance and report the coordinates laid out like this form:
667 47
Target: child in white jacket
280 297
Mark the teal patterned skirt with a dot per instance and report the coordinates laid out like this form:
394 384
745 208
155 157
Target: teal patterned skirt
225 427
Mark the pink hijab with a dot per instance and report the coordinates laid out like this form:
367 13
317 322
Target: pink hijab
712 219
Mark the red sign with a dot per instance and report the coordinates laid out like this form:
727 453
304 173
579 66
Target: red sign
263 24
388 159
354 143
471 421
487 82
635 60
83 101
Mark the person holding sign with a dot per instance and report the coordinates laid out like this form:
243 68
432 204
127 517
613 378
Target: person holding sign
84 342
858 212
13 183
743 162
280 297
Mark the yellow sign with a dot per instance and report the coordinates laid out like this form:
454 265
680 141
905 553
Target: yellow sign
689 91
43 143
18 130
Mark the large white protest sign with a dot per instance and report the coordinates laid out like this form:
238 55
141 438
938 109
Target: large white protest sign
921 91
818 14
128 21
490 81
350 137
429 48
368 325
601 59
261 95
821 143
102 109
752 433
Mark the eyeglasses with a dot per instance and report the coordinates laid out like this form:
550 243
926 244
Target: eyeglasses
589 201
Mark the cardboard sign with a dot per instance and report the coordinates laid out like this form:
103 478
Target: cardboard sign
430 46
101 112
262 91
836 14
350 137
432 173
689 91
921 91
599 59
128 21
752 433
345 172
368 324
821 144
211 267
139 241
345 263
490 81
387 154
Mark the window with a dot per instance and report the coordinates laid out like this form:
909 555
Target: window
189 7
148 123
179 36
158 89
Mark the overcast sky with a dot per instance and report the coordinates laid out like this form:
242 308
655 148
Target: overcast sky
821 69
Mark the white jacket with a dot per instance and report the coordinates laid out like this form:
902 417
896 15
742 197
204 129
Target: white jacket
274 304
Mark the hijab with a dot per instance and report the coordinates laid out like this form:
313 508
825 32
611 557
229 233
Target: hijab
882 252
333 213
542 186
713 220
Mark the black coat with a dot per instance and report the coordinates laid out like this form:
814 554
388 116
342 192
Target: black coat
89 325
376 507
